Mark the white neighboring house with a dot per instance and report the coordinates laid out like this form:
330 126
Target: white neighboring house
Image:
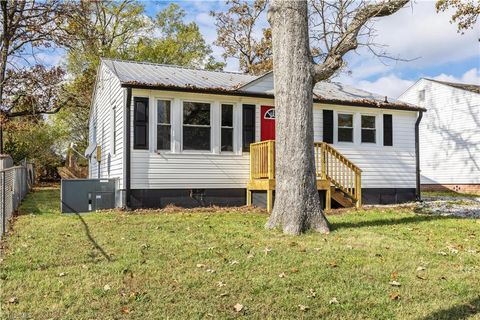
177 135
449 134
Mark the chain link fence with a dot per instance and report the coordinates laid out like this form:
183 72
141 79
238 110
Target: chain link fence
15 182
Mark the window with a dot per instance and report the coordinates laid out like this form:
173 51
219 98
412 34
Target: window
114 130
270 114
421 95
226 139
345 127
368 129
196 126
140 123
163 125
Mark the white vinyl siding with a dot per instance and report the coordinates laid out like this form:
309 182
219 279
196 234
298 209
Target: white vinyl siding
449 133
383 167
108 95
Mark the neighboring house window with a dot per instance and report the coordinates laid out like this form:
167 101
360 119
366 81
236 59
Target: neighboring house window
368 129
114 130
140 122
227 128
196 126
421 95
164 127
345 127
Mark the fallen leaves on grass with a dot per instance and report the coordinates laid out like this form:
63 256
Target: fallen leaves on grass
394 283
394 296
312 294
125 310
267 250
234 262
282 275
420 268
106 287
303 307
200 265
62 274
333 264
13 300
334 301
221 284
442 253
294 270
210 271
238 307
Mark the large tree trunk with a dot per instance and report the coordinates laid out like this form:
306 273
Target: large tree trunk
297 203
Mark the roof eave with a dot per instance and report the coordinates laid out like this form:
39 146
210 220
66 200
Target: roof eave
230 92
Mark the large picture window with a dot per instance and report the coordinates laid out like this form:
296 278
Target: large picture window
227 128
345 127
368 129
164 127
196 126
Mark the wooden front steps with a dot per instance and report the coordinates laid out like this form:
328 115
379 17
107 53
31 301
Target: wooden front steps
338 176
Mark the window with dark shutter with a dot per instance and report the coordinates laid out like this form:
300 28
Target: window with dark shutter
328 126
387 130
248 132
140 123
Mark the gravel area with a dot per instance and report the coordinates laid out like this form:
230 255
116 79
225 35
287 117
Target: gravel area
465 207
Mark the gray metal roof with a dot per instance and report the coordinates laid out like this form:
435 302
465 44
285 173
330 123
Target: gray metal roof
160 76
475 88
152 74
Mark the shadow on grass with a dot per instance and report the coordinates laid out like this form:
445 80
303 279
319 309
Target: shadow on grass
88 234
386 222
463 311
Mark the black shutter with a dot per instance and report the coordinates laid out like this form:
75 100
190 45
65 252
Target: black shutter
248 126
387 130
140 123
328 126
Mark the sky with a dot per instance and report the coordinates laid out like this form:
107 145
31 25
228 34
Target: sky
416 32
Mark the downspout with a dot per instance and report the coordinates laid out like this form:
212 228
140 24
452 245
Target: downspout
127 147
418 194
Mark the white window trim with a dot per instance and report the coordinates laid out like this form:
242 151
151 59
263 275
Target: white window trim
234 127
113 126
335 128
172 140
377 127
212 131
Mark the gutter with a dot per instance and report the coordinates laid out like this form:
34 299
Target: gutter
127 148
418 194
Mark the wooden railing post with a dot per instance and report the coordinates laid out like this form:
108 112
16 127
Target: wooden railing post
271 159
358 189
323 161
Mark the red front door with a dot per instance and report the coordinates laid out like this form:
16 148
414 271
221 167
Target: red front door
267 123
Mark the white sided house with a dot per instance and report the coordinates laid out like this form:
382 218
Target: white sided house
449 134
174 135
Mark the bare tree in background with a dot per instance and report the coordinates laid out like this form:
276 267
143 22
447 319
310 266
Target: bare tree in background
237 34
25 26
297 203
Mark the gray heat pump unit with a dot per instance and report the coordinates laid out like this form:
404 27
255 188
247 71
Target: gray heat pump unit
84 195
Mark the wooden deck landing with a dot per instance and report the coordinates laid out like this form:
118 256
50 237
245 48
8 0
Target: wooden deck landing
338 176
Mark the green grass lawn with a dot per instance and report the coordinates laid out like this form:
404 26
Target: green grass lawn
116 265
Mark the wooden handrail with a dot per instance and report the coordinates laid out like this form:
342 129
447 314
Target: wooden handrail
330 165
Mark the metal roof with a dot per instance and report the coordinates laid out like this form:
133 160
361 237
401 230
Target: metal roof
170 77
464 86
152 74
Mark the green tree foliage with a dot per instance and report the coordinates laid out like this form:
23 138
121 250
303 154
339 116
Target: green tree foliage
37 140
178 42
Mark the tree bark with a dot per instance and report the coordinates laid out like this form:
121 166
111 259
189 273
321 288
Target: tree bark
297 203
